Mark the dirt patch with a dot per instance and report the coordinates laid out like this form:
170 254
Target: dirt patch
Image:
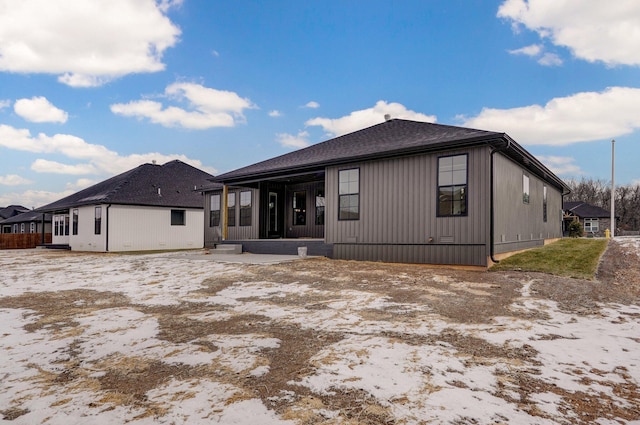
617 281
392 296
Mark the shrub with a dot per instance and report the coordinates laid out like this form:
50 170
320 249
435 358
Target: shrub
575 229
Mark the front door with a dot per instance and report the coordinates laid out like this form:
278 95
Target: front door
273 227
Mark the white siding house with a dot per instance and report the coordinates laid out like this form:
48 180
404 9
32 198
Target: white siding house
152 207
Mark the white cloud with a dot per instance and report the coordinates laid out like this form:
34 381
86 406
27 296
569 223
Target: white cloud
532 50
561 165
300 140
54 167
13 180
550 59
537 50
594 30
312 105
33 198
582 117
4 104
85 42
39 109
95 159
275 113
208 108
367 117
80 184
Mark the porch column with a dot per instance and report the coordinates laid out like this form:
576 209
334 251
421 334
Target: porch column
225 218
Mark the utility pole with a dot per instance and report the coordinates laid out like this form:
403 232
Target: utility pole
613 188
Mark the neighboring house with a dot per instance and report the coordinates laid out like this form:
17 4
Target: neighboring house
151 207
8 212
27 222
594 220
399 191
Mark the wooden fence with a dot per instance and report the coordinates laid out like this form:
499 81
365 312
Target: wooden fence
22 240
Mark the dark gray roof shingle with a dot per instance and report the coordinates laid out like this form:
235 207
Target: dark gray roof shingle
168 185
391 137
584 210
26 217
12 210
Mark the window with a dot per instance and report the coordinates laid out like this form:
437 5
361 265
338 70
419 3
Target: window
178 217
231 209
349 194
525 188
15 228
66 224
245 208
32 227
591 225
299 208
98 221
55 225
544 203
214 213
22 227
320 207
75 222
452 185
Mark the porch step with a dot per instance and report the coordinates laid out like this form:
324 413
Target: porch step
227 249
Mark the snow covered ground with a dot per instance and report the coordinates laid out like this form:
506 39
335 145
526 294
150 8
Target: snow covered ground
164 339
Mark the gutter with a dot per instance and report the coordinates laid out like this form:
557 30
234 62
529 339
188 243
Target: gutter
491 203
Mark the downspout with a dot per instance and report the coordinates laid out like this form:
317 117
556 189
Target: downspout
491 203
107 230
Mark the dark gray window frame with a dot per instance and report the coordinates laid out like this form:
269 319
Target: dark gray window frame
465 213
231 209
97 224
214 214
245 210
74 222
544 203
178 217
350 195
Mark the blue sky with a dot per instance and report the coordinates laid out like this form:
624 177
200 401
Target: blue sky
92 88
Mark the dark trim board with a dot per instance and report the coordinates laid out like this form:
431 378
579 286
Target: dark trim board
315 247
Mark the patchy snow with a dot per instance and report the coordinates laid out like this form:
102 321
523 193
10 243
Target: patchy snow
425 378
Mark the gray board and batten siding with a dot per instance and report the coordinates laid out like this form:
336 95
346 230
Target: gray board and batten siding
518 224
398 212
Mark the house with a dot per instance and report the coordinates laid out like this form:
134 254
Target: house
8 212
151 207
27 222
399 191
25 230
594 220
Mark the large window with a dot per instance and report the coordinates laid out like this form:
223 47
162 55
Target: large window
178 217
98 221
452 185
231 209
591 225
245 208
544 203
525 189
299 208
349 194
320 207
214 213
74 223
